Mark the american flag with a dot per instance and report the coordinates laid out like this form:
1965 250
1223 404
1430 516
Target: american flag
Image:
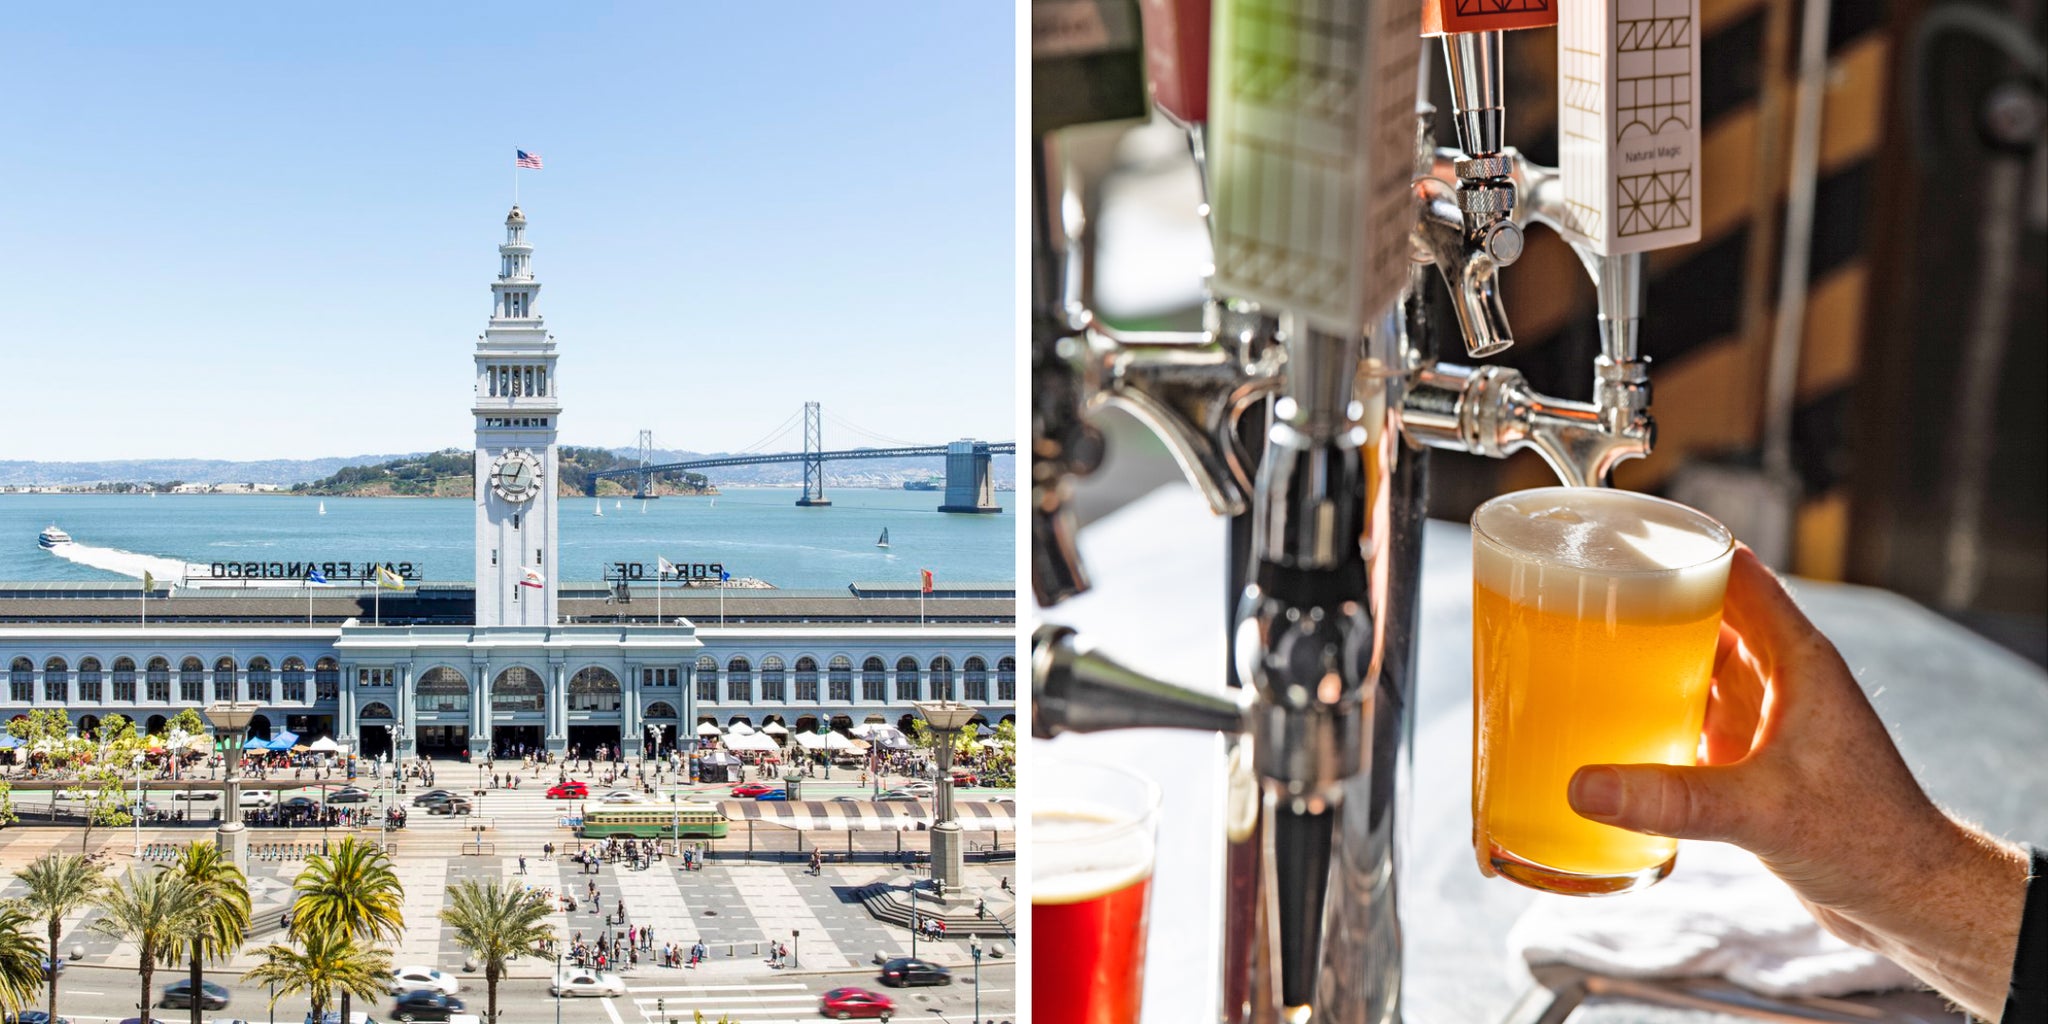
530 161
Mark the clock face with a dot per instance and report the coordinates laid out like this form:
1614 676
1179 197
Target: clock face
516 476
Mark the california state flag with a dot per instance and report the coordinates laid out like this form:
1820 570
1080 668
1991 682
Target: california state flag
534 579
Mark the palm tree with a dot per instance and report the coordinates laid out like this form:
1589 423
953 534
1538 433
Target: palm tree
58 885
21 962
331 965
151 909
497 922
224 911
352 892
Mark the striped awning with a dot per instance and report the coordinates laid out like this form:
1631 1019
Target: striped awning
866 816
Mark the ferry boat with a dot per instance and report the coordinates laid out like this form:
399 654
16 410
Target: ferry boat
936 483
52 537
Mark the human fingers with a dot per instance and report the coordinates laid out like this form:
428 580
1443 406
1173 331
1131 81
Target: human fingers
1773 628
1734 704
1717 802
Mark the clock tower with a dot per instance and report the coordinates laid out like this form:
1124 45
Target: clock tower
516 408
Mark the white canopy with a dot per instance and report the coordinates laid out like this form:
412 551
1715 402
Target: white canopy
750 741
707 729
325 745
775 727
740 729
835 741
809 740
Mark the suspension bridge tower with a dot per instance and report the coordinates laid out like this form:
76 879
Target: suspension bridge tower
814 463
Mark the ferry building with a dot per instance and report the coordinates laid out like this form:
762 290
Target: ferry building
517 656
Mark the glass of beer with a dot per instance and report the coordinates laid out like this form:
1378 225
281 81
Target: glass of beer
1093 836
1595 615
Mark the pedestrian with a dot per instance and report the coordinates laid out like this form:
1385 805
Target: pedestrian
522 864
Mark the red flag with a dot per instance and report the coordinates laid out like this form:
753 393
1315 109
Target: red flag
927 574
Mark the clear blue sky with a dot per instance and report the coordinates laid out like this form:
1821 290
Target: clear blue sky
268 230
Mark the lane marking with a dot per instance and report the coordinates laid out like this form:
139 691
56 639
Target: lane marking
613 1011
714 988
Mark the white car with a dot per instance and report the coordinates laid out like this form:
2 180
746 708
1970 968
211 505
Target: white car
580 982
411 979
257 798
622 796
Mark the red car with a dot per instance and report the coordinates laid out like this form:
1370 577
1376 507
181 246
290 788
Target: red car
752 789
848 1003
568 791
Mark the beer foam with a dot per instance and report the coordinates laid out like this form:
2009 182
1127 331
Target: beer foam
1660 556
1083 852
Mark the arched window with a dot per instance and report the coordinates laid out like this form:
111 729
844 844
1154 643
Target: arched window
772 680
55 676
807 680
839 679
594 688
975 680
224 679
191 681
124 680
707 680
942 679
874 681
661 709
376 711
295 683
517 689
907 683
259 680
21 680
156 680
326 680
89 681
1006 680
440 689
739 681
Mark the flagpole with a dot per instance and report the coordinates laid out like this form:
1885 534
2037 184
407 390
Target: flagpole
377 605
657 592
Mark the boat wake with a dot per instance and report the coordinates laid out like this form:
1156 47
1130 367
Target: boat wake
168 571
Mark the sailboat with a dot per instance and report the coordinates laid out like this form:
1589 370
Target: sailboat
615 506
643 506
884 542
323 508
597 507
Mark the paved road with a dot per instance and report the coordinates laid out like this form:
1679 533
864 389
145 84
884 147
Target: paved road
100 995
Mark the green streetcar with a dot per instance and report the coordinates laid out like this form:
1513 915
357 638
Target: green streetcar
652 821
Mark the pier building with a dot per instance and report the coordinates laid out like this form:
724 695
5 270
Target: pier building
515 655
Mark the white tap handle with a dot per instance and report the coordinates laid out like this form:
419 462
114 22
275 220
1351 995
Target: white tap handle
1311 148
1629 123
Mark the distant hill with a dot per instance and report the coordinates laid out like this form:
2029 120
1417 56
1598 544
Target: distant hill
451 473
408 473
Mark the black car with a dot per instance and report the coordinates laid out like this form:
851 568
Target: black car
301 803
452 805
426 1004
434 796
909 970
178 996
349 795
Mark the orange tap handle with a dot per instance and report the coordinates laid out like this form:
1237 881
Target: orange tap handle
1443 17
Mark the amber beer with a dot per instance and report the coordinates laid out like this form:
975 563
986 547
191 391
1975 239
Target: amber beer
1595 615
1092 850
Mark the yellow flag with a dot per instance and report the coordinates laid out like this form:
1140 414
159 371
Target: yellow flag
389 580
148 581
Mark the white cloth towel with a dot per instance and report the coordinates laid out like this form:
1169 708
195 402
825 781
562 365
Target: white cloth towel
1721 913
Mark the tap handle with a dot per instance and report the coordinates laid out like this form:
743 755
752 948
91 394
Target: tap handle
1628 125
1177 57
1076 689
1087 63
1470 268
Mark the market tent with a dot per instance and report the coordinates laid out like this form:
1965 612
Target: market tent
835 741
325 745
740 729
809 741
752 741
9 741
718 757
775 728
284 740
707 729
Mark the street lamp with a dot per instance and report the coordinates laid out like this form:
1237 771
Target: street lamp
974 947
949 856
230 719
135 812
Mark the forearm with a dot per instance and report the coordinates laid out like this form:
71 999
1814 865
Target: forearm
1956 922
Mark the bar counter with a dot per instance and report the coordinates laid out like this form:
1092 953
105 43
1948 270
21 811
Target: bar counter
1970 718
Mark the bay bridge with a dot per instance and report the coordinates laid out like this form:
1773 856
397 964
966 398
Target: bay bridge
969 485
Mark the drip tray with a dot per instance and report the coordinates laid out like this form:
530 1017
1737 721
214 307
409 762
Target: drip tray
1568 995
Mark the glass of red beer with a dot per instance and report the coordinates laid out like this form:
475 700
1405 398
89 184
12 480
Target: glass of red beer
1093 836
